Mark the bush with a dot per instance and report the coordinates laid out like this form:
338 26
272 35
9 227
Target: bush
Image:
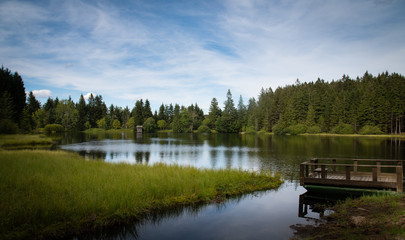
162 124
116 124
204 129
54 128
370 130
149 125
102 123
278 129
314 130
250 130
297 129
8 127
343 128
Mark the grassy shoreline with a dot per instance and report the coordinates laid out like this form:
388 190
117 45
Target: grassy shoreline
55 193
24 141
368 217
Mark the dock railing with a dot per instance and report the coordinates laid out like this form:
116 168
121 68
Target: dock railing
363 173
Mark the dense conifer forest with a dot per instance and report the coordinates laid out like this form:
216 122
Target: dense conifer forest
366 105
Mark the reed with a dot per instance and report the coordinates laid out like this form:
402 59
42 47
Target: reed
56 193
24 141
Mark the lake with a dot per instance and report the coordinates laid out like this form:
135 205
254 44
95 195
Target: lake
261 215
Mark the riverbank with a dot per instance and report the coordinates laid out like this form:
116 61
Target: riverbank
25 141
54 194
368 217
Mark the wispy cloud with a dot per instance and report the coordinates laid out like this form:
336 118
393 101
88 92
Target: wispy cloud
186 53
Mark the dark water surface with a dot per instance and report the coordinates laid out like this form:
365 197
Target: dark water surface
263 215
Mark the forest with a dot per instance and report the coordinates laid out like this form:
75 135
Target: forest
365 105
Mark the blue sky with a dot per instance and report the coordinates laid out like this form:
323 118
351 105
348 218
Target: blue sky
191 51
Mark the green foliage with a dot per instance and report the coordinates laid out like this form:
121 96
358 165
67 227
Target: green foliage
137 112
6 106
314 130
54 128
7 126
149 125
204 129
116 124
214 113
82 111
47 193
228 122
343 128
66 114
39 118
25 122
310 116
102 123
297 129
370 130
250 130
161 124
13 86
131 123
87 125
24 141
279 129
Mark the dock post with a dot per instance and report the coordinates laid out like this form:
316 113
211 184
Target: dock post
355 166
375 174
306 170
314 165
302 174
378 167
334 166
323 172
400 183
347 173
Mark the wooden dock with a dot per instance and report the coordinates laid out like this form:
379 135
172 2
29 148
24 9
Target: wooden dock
353 173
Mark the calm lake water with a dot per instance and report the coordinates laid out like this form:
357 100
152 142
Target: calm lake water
263 215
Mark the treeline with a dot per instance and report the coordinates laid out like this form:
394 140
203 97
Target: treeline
367 105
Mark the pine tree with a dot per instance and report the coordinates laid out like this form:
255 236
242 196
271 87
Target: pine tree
147 112
228 120
82 111
214 113
176 125
138 113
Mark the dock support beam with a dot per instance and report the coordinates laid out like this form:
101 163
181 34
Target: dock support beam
400 176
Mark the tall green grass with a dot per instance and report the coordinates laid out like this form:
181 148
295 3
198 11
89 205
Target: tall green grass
24 141
45 194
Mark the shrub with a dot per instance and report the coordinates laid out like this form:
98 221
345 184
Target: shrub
8 127
204 129
149 125
278 129
250 130
343 128
297 129
367 129
54 128
102 123
314 130
116 124
162 124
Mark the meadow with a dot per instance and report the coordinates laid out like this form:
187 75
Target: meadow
49 194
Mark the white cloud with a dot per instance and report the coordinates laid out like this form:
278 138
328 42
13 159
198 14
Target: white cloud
137 52
87 95
43 93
